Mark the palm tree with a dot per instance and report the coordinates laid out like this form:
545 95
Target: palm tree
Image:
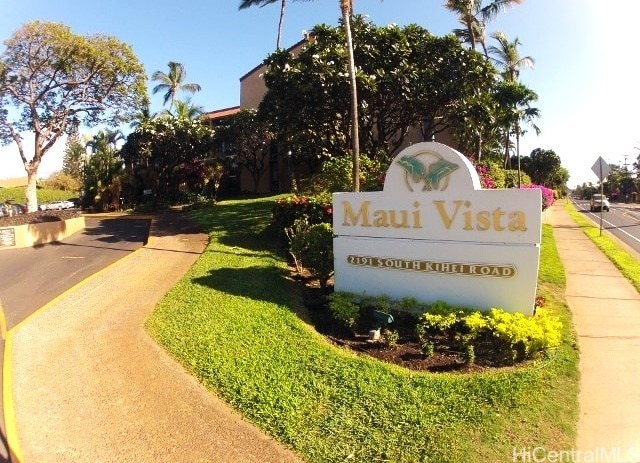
474 17
515 100
173 82
507 57
185 109
143 115
346 7
283 3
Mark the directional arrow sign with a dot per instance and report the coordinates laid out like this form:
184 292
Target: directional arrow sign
601 168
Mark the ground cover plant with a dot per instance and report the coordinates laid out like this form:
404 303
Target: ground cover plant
437 336
628 265
235 321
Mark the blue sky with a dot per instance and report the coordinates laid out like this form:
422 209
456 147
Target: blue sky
586 52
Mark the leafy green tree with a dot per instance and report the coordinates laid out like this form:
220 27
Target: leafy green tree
173 83
507 57
545 168
252 143
425 82
515 101
74 154
62 181
346 9
51 78
166 154
102 170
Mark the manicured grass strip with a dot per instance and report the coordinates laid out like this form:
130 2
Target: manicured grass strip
231 322
628 265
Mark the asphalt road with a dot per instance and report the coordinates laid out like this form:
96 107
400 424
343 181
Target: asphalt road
623 221
31 277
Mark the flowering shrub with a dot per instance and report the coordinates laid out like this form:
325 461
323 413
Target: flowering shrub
485 180
287 211
548 197
513 336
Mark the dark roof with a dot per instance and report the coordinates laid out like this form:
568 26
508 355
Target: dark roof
221 113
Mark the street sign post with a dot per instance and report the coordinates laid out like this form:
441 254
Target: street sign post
601 169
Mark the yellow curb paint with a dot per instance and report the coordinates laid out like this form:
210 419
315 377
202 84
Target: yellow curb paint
3 323
13 442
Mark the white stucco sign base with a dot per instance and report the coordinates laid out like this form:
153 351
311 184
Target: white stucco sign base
434 234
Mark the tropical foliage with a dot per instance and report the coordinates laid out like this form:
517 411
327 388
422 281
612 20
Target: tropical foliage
168 155
422 84
251 140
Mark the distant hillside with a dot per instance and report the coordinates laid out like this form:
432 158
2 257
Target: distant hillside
13 182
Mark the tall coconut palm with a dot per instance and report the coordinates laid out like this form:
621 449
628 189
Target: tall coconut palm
515 99
173 82
474 16
346 7
283 3
507 57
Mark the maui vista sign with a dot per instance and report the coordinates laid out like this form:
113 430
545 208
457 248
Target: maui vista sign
434 234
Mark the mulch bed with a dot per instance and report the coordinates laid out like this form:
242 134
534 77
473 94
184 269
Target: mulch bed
37 217
406 352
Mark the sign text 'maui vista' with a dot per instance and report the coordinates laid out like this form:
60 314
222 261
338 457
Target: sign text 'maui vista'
434 234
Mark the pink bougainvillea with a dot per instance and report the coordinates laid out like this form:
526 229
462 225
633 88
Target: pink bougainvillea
485 180
547 195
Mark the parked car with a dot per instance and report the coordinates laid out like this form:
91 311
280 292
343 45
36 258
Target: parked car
56 205
599 202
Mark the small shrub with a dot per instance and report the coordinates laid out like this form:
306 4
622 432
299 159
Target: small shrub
344 308
296 236
382 303
287 211
525 336
390 337
312 248
512 335
469 354
428 348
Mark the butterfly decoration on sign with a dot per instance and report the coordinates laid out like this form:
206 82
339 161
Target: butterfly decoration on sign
433 173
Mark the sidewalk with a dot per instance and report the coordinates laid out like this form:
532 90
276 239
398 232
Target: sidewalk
89 384
606 315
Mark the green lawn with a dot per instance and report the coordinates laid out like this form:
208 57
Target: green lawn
231 322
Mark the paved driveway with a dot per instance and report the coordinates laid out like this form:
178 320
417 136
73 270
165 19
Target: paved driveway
31 277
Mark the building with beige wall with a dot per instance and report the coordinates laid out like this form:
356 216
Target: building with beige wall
277 177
